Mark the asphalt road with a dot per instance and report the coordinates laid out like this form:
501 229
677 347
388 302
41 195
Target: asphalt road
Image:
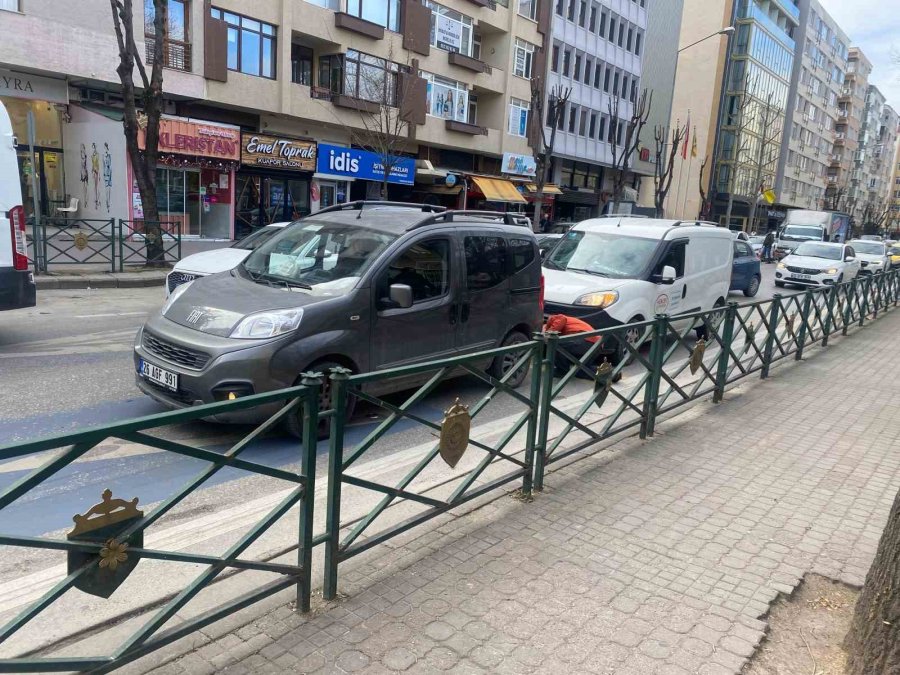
66 364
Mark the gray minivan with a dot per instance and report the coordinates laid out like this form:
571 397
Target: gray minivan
364 285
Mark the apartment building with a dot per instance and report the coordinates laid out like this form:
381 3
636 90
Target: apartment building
808 151
851 109
596 49
268 105
892 222
736 92
870 181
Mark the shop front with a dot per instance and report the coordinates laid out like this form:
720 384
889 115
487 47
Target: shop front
273 184
41 168
195 177
523 170
345 174
492 193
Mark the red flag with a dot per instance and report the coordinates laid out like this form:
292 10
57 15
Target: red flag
687 137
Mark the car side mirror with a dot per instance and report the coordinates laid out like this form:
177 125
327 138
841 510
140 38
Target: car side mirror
400 297
849 258
668 275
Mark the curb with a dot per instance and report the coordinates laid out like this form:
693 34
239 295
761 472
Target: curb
134 280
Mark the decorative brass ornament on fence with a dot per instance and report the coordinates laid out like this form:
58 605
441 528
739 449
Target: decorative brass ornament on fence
103 523
790 324
455 429
697 356
603 382
80 240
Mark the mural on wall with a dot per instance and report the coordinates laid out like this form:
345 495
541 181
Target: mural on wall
95 152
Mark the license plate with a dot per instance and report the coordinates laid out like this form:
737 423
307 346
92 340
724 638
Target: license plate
802 276
160 376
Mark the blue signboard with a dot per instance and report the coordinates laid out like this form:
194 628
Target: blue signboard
352 163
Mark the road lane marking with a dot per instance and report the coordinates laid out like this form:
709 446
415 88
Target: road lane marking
110 314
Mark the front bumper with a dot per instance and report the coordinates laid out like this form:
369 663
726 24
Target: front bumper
246 370
17 289
597 318
814 281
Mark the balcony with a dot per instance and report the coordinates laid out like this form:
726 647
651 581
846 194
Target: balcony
465 128
359 26
467 62
789 8
749 10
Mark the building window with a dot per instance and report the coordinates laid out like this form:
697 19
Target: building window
446 98
601 31
176 45
567 62
450 30
598 74
621 33
370 78
576 75
554 61
592 129
524 58
612 29
606 77
615 90
383 12
630 41
473 109
588 64
251 44
570 15
528 8
637 43
301 65
582 13
573 118
624 86
559 7
601 132
582 123
518 117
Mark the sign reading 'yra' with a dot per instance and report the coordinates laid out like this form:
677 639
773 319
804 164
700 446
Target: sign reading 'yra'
278 153
336 160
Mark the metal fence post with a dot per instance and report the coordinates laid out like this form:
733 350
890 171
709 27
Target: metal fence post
119 231
535 398
549 340
867 287
801 331
849 296
725 355
829 314
339 377
771 334
312 381
896 286
651 392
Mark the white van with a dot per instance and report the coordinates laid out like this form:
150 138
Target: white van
614 271
16 281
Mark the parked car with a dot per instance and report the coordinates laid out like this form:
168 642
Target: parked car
871 237
746 274
873 256
408 285
894 253
756 243
818 263
740 235
17 288
546 242
221 259
610 272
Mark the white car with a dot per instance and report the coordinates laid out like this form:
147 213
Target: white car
614 271
818 263
873 256
219 260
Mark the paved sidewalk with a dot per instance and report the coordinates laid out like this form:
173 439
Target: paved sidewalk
660 557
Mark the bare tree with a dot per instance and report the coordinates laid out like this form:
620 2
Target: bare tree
874 215
384 114
142 111
623 149
705 201
835 199
557 100
664 169
767 152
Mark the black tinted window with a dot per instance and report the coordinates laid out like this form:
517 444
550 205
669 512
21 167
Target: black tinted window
522 253
742 250
674 258
486 262
424 267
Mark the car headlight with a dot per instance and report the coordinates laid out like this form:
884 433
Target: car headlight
267 324
876 262
600 299
782 266
833 270
174 295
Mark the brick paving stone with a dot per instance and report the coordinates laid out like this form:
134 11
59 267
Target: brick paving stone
660 559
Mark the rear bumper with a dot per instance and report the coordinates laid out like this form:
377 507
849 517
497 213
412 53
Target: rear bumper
17 289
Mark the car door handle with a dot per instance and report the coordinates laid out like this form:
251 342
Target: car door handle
684 292
464 314
454 308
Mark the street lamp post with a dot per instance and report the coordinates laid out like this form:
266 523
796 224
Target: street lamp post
728 30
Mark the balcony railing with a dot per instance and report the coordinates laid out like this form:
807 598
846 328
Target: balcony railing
176 54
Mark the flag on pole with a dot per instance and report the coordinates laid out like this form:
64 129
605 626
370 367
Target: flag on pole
687 136
694 144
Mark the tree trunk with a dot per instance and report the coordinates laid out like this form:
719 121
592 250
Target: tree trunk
873 643
730 207
751 222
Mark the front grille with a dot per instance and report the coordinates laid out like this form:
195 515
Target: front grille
803 270
183 356
175 279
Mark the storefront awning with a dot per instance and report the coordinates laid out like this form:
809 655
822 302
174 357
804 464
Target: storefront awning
549 189
439 189
498 190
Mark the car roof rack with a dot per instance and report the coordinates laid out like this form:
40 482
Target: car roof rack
450 215
359 204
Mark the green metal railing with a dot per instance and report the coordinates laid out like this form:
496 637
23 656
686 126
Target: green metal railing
89 555
625 380
131 237
75 241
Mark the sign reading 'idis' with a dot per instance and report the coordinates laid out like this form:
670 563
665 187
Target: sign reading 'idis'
336 160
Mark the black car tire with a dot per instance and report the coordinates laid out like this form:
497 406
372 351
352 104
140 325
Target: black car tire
502 363
294 422
753 288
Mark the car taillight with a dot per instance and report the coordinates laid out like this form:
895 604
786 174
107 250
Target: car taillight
16 217
541 295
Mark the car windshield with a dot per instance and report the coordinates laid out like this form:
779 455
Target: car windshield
895 250
323 258
757 239
795 232
256 239
868 247
819 251
603 254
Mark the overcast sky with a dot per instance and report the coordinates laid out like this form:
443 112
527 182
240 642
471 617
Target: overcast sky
874 27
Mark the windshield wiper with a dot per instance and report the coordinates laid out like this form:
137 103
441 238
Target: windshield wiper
288 283
579 269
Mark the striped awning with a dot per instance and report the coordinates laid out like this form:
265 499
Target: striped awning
498 190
